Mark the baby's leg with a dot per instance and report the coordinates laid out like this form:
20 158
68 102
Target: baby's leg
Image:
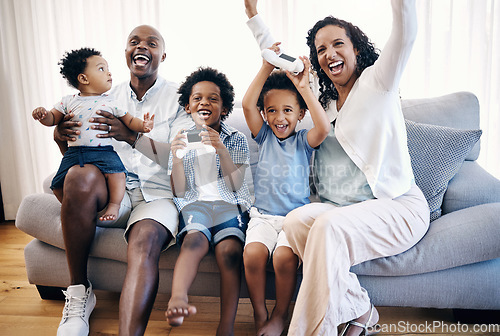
116 187
228 254
194 248
58 192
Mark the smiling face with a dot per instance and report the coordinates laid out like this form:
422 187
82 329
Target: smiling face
144 51
96 79
336 56
206 105
282 112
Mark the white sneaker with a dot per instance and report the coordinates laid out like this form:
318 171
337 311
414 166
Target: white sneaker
77 309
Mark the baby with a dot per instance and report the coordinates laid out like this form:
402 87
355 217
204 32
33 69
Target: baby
87 71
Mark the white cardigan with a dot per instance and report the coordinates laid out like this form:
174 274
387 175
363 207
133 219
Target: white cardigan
370 125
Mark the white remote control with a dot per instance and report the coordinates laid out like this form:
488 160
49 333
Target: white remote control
193 141
283 61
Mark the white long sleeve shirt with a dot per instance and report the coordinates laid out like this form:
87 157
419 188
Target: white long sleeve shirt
370 125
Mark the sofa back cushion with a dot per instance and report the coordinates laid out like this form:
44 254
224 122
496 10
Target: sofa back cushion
437 154
456 110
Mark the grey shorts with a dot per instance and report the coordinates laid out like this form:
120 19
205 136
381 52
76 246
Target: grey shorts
134 208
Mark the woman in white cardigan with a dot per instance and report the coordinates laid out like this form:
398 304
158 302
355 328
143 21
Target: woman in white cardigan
370 205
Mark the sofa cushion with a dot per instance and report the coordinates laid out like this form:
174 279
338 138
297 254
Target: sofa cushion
456 110
437 154
460 238
471 186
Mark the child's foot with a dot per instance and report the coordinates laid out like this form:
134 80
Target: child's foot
178 308
260 318
111 212
273 327
225 330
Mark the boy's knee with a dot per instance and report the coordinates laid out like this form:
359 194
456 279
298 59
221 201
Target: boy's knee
230 253
255 256
284 260
194 240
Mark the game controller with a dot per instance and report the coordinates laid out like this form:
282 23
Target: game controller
193 141
283 61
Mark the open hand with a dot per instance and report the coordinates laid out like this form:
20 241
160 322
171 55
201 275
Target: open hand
148 122
39 113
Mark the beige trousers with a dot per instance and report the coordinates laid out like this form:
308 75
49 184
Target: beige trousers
331 239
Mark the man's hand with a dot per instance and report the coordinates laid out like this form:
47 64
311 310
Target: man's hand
115 128
64 131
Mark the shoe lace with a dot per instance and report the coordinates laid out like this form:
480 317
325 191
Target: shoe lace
74 306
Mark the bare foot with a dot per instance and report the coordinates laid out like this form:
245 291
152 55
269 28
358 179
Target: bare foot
111 212
260 318
178 309
225 330
273 327
365 319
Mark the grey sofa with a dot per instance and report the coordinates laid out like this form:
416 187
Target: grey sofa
456 265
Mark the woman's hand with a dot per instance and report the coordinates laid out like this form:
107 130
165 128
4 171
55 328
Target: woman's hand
115 128
251 8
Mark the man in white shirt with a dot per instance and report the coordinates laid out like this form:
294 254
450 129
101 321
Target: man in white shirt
147 210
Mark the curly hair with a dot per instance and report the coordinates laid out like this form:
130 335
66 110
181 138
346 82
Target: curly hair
74 63
279 81
209 75
367 55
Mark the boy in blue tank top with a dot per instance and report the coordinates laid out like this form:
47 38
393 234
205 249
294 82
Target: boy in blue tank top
281 181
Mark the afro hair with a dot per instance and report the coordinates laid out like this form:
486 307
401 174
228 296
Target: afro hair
207 74
74 63
279 81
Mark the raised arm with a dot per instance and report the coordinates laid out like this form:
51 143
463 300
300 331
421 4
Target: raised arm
322 126
258 27
249 103
393 58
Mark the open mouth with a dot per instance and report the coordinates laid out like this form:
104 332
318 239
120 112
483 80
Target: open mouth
141 60
204 114
336 67
281 128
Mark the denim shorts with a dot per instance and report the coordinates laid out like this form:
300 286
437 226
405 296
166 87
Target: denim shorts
216 220
105 158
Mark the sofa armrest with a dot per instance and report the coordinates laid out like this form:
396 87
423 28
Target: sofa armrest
46 184
471 186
